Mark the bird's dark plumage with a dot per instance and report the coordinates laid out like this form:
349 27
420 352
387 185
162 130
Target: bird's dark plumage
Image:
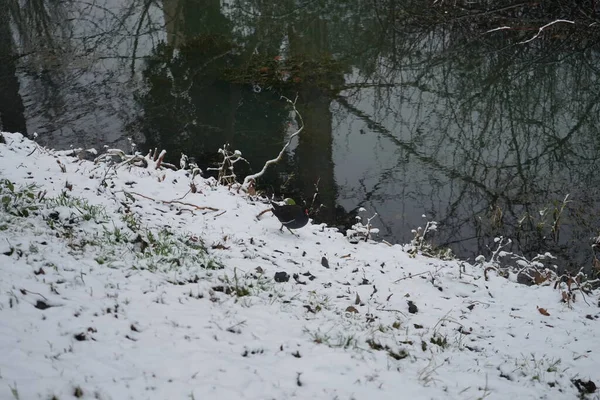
290 216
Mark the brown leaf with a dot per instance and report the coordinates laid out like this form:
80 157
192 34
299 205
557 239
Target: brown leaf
543 311
539 278
357 301
349 255
351 309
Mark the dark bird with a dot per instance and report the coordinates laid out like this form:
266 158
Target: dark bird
290 216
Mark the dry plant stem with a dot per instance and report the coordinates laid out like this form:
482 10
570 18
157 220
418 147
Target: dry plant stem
262 212
278 158
39 294
175 202
412 276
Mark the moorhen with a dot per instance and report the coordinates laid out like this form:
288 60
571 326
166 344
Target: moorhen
291 216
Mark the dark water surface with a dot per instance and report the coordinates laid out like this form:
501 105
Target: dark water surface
410 108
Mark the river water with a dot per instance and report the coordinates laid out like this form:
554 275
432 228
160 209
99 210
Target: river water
412 111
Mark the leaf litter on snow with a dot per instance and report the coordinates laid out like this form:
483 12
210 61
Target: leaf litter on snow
125 283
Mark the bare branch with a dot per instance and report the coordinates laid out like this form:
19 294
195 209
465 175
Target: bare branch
544 27
500 28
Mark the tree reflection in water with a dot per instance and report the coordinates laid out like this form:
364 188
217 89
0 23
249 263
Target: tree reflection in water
411 107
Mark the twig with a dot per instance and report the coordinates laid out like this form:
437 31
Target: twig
391 310
174 202
414 275
278 158
544 27
39 294
500 28
262 212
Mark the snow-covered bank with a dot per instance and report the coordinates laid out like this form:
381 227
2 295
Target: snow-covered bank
116 284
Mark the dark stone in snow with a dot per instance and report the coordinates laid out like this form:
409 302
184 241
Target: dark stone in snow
42 305
324 262
412 308
583 386
281 276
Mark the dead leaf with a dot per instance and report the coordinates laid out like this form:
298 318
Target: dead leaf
350 255
357 301
538 278
351 309
543 311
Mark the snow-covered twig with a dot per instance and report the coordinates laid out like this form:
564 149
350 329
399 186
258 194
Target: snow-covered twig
360 229
544 27
227 174
500 28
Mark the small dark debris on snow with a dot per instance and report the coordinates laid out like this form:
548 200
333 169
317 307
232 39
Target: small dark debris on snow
297 279
130 338
298 381
310 276
465 331
471 307
351 309
397 355
222 289
412 307
417 326
309 308
297 354
234 329
134 328
42 305
584 387
365 281
324 262
78 392
374 345
39 272
281 276
81 336
252 352
589 316
505 375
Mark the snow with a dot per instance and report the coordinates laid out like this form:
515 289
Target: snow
85 311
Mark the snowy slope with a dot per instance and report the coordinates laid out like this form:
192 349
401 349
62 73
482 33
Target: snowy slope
93 306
